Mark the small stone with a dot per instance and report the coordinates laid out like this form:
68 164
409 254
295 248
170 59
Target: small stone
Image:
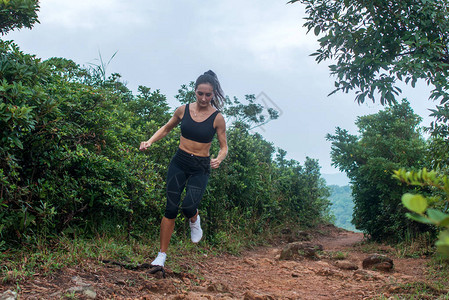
218 287
186 280
88 291
346 265
79 281
325 272
256 296
366 275
378 262
250 262
384 266
323 264
8 295
329 272
299 250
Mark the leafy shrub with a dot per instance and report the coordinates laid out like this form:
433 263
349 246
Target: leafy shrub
69 160
431 208
389 140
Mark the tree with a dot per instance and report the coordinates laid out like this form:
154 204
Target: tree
375 43
17 14
251 115
388 141
150 105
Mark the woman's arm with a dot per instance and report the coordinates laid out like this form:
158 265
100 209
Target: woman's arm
221 135
164 130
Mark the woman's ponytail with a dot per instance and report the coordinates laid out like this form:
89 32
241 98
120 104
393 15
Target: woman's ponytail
211 78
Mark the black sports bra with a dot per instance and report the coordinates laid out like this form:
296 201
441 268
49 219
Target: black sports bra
202 132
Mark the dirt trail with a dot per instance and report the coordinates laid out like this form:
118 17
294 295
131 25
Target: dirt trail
256 274
261 275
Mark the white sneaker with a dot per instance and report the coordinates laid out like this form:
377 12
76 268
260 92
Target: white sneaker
196 233
160 259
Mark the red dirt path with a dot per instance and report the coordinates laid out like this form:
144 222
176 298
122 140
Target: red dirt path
255 274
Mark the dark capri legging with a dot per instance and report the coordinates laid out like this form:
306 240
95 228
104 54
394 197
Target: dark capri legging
190 172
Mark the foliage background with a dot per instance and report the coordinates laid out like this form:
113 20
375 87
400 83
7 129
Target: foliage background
68 152
373 46
388 140
70 165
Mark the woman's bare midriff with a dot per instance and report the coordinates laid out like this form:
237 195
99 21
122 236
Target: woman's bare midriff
195 148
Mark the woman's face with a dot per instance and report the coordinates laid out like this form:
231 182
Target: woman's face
204 94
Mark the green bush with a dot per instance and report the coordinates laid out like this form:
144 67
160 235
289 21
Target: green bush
389 140
69 160
431 208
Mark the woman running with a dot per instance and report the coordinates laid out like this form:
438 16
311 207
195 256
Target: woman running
190 166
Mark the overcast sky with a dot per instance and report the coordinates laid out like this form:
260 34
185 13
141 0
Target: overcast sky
253 46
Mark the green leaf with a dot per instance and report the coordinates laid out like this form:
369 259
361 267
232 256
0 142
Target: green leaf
445 222
419 218
443 243
415 203
437 215
17 142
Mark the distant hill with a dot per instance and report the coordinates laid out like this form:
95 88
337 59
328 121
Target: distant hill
339 179
342 206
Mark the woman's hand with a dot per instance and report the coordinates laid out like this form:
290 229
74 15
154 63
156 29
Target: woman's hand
164 130
215 163
145 145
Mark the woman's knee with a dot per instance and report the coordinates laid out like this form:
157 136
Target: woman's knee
171 211
189 212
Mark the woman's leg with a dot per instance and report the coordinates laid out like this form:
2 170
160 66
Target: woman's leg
194 192
167 227
176 179
193 219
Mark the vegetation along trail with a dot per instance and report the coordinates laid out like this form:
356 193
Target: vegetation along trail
76 192
270 272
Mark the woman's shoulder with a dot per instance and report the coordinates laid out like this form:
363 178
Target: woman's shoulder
182 107
219 119
179 112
